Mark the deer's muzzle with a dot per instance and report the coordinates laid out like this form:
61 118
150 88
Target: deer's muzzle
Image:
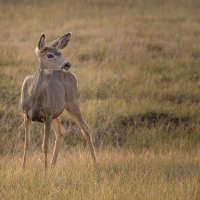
66 66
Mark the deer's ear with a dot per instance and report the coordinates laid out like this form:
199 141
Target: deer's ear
62 42
41 43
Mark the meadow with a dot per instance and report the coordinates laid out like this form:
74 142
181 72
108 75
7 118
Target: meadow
137 64
120 175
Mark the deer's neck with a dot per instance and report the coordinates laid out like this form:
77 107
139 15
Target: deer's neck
40 83
38 91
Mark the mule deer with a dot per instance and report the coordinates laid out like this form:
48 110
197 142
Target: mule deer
46 94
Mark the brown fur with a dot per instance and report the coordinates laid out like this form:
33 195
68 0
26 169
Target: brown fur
45 95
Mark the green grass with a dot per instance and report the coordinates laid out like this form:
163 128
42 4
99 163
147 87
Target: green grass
137 64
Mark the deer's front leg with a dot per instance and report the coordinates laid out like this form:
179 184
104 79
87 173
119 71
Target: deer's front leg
59 132
47 129
27 123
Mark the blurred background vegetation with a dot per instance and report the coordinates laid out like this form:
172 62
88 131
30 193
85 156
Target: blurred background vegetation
137 64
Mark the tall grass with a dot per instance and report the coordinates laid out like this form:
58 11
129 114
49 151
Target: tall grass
137 64
134 60
121 175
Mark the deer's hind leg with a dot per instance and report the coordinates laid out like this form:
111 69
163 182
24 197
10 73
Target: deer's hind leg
59 132
74 111
27 124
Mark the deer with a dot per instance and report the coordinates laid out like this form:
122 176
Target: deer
47 93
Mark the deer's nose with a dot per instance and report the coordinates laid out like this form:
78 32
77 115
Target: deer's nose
67 65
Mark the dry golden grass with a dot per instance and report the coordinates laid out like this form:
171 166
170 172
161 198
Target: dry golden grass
133 59
120 175
137 64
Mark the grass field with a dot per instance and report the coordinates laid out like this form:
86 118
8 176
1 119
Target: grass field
137 64
121 175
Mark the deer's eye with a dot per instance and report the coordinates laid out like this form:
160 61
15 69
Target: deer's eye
49 55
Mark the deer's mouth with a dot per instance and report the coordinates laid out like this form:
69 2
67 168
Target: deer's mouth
66 66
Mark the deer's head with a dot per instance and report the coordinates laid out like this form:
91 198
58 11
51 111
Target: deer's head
50 58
